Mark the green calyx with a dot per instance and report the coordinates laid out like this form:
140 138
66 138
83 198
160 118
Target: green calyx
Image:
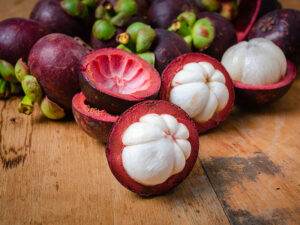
229 10
21 70
15 89
144 39
7 71
90 3
4 90
32 89
128 6
26 106
148 56
51 110
75 8
211 5
203 33
188 17
123 47
103 30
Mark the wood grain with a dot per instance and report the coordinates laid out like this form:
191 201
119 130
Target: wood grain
53 173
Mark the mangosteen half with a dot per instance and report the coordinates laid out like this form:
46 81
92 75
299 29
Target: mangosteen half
114 80
283 28
17 36
201 86
260 72
96 123
152 147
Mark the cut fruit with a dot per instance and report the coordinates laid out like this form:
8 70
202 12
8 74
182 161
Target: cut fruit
114 80
201 86
152 147
96 123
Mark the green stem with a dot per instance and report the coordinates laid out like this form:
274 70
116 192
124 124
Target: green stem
32 89
26 106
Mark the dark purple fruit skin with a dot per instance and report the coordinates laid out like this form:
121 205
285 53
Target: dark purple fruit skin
283 28
51 15
55 61
17 36
166 47
225 34
163 12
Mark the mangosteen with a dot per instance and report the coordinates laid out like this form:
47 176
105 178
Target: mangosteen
114 80
283 28
55 62
96 123
162 12
152 147
259 70
208 32
201 86
17 36
51 15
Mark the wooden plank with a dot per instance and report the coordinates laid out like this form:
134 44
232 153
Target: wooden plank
65 179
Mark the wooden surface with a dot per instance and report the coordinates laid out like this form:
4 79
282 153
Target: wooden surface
248 170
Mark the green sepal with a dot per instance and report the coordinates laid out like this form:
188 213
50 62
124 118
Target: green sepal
100 12
21 70
203 33
211 5
51 110
188 17
229 10
103 30
123 47
144 39
7 71
133 29
90 3
32 89
4 90
148 56
26 106
120 19
75 8
130 7
189 40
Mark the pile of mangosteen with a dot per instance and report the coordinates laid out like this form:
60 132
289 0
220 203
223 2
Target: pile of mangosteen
147 77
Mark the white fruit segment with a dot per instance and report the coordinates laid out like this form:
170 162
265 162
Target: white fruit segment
257 62
200 90
156 148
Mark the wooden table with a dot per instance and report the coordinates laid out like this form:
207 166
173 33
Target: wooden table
248 170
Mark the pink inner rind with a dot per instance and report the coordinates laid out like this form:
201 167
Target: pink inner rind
248 12
120 74
286 80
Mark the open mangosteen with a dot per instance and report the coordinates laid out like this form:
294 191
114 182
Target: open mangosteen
55 62
201 86
260 72
17 36
114 80
96 123
152 147
283 28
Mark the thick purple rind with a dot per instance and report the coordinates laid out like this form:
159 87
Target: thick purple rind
225 34
95 125
55 61
166 47
100 100
254 96
283 28
163 12
17 36
51 15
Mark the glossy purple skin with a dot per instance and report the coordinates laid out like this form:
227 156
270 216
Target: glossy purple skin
50 14
163 12
55 61
283 28
225 34
166 47
17 36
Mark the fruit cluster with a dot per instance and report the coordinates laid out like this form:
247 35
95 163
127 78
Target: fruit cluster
158 73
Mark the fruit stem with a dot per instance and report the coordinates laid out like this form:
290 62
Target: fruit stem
32 89
26 106
51 110
123 38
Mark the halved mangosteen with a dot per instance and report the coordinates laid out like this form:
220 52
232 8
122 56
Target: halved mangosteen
260 71
152 147
114 80
96 123
201 86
